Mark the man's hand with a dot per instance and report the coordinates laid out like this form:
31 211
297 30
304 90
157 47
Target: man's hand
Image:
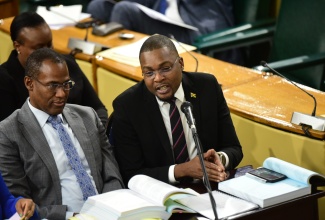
215 169
25 208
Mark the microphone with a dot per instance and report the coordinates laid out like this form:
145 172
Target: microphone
316 123
84 46
184 48
186 108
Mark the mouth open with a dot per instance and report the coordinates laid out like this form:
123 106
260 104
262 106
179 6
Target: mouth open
163 89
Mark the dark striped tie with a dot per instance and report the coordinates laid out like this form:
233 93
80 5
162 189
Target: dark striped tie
179 142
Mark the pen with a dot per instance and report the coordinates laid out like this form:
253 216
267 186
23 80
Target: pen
24 216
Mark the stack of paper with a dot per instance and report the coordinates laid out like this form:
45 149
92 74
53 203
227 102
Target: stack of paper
129 54
59 16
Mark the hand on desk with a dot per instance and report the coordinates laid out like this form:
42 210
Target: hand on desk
215 169
25 208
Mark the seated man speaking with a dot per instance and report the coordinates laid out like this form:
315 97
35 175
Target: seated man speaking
151 134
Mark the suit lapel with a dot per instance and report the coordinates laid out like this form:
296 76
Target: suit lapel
158 123
80 131
192 96
33 133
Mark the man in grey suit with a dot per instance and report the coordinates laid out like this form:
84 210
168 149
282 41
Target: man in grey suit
34 159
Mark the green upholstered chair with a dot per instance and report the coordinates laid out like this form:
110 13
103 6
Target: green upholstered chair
298 42
298 49
249 15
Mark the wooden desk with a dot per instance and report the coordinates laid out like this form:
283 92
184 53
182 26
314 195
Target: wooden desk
9 8
228 75
272 100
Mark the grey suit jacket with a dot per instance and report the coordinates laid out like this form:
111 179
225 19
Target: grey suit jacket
28 166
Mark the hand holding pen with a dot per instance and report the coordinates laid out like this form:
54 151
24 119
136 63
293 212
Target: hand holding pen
25 208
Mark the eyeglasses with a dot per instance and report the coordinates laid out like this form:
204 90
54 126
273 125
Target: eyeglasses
164 71
55 86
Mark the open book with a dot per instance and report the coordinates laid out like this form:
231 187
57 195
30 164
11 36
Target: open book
145 198
226 205
297 184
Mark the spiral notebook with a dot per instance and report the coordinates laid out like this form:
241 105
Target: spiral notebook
227 205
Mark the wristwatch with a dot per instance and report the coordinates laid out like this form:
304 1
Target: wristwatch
222 158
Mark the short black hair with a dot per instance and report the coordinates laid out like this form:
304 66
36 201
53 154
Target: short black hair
158 41
36 59
23 20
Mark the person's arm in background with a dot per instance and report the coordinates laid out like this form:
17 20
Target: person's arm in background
83 93
10 205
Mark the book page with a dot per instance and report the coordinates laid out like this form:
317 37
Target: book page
121 201
226 205
290 170
154 189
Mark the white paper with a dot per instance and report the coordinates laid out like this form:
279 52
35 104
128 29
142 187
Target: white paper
60 16
161 17
15 217
129 54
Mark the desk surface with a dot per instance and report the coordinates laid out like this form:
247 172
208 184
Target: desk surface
272 100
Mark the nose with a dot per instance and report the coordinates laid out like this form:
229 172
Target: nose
60 92
158 77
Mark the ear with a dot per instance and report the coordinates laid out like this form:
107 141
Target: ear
181 61
29 83
17 45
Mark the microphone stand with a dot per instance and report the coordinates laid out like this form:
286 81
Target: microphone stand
205 175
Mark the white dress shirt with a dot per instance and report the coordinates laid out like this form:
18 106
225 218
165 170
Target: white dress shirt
71 192
164 109
192 151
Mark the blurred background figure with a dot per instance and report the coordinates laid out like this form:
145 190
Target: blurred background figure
206 15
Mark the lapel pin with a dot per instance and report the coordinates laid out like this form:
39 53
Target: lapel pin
193 95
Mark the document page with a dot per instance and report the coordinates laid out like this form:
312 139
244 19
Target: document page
154 189
161 17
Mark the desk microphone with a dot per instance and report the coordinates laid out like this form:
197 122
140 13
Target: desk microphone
184 48
186 108
78 45
316 123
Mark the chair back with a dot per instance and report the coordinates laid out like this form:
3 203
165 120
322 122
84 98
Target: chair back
300 30
248 11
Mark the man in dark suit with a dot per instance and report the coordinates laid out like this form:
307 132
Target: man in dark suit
142 127
43 162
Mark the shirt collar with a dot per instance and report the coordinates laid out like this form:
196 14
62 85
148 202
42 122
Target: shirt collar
41 116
